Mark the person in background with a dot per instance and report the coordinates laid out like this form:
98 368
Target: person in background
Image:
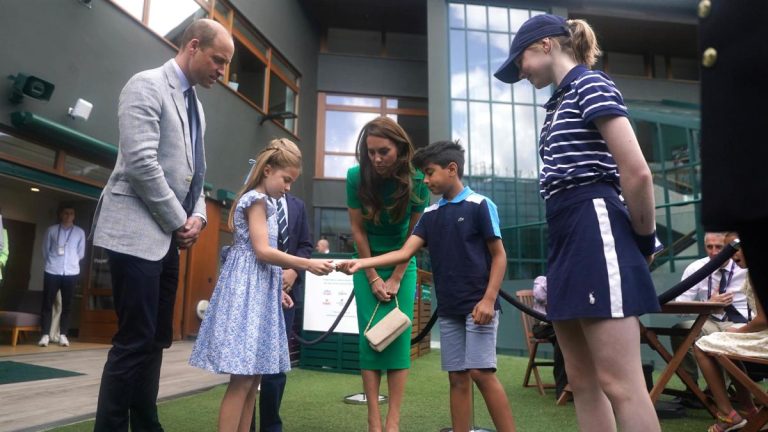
748 340
724 285
544 330
323 246
63 248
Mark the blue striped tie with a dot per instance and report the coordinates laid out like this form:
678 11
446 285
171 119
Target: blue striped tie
282 227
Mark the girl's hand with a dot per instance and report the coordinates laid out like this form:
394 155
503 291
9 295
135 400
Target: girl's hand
379 290
287 301
392 286
320 267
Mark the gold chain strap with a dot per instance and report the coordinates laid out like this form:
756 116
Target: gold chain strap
397 305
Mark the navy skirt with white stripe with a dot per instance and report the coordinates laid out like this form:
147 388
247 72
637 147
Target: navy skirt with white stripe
596 269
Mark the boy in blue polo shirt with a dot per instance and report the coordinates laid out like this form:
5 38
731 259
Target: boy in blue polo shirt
462 234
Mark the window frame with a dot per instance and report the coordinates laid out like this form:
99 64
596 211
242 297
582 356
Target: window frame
323 107
228 21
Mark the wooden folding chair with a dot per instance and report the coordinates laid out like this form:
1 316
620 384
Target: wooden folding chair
756 421
526 297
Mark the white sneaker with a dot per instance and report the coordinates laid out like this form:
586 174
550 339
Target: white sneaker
63 341
44 341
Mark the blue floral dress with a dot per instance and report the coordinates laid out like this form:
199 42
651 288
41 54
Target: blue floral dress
243 331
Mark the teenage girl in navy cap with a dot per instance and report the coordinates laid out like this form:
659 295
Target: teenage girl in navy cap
599 244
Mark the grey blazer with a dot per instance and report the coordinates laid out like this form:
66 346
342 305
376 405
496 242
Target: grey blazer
140 206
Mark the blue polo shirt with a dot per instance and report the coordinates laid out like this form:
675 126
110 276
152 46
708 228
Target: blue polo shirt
455 233
572 151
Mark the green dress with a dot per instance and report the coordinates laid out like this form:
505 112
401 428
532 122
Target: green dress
382 238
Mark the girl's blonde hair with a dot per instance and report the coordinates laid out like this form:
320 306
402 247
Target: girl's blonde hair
581 44
280 153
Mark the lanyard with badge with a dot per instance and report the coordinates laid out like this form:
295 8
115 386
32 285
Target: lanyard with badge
727 281
59 248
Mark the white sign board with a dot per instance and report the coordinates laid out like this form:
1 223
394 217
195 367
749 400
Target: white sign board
324 297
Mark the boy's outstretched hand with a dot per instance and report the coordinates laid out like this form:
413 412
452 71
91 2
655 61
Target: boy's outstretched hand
320 267
348 267
484 312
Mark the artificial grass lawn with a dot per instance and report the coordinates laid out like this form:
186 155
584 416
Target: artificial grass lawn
313 402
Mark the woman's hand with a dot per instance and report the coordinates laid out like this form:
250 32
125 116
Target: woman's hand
379 290
320 267
392 286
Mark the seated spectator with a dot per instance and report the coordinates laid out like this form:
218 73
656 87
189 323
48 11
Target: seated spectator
544 330
724 285
748 340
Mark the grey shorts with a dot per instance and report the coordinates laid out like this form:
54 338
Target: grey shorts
465 345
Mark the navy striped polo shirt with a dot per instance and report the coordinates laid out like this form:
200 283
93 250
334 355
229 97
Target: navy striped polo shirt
571 148
456 233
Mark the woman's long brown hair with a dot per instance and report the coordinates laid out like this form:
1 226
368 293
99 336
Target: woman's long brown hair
402 171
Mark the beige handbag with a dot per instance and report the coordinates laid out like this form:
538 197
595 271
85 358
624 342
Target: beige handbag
388 329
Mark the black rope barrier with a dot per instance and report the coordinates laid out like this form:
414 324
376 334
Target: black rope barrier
425 331
325 335
665 297
699 275
523 307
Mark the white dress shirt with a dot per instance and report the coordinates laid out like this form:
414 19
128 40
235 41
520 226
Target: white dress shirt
63 248
710 285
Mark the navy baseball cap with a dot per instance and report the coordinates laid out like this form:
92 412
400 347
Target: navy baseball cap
534 29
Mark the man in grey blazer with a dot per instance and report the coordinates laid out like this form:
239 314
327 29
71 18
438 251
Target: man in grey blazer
151 207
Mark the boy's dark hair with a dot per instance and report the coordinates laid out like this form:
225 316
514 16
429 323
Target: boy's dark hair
440 153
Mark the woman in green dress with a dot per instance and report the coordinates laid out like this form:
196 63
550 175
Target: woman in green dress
386 197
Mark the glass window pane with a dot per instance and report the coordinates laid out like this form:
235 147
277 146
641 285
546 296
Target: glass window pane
26 151
170 19
81 168
458 64
516 18
336 166
525 142
523 91
285 68
543 95
222 8
477 63
247 74
417 104
480 155
334 226
133 7
497 19
499 48
342 129
456 15
243 31
476 17
459 129
281 99
503 141
359 101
